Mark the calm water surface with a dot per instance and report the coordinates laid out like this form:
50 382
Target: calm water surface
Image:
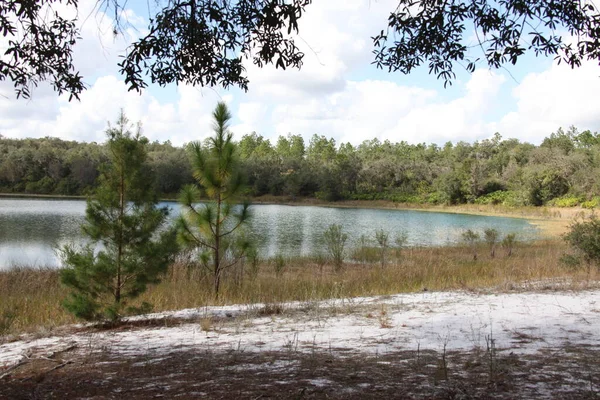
31 229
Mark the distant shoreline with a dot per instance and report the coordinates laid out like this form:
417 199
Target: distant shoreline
552 221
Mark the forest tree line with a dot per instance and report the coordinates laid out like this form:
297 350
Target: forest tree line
564 170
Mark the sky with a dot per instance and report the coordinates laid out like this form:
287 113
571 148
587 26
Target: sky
338 93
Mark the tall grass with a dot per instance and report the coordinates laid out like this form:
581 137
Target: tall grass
33 296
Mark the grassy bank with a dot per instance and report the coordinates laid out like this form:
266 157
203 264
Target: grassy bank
31 297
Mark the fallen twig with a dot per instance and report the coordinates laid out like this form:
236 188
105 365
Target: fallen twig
11 369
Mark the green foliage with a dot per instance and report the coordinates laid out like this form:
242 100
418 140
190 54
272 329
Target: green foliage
584 238
492 171
435 34
565 201
591 204
212 228
546 185
335 242
122 218
497 197
254 260
204 42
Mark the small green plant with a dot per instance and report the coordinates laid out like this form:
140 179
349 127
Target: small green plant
279 264
471 238
383 240
361 250
254 262
335 242
7 318
491 238
509 242
400 242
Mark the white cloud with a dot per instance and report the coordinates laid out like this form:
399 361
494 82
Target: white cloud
332 94
96 56
559 96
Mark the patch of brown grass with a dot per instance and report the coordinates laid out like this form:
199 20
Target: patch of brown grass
33 296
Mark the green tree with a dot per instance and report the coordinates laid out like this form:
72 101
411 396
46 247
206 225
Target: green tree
122 217
210 227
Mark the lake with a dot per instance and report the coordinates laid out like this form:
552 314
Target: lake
31 229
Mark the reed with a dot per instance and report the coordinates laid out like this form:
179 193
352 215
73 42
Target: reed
30 297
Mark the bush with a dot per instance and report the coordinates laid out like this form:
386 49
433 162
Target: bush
491 238
565 201
509 243
584 237
497 197
471 238
516 199
435 198
593 203
335 241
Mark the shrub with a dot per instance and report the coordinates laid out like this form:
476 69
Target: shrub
565 201
471 238
497 197
491 238
509 243
335 242
584 237
593 203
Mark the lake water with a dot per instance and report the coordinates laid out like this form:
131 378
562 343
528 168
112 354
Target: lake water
31 229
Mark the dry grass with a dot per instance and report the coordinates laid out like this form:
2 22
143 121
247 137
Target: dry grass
33 296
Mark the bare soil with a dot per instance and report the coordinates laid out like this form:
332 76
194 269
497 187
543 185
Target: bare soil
565 373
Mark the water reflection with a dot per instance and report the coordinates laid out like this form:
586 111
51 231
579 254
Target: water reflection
31 230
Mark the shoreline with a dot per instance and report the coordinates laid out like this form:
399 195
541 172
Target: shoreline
551 221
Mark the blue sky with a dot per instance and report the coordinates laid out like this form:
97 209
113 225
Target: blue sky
338 93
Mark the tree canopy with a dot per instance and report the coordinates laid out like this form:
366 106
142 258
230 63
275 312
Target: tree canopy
204 42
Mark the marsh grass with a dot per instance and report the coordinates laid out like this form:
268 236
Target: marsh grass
33 295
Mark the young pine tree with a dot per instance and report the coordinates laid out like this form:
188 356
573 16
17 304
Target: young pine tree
130 247
210 227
